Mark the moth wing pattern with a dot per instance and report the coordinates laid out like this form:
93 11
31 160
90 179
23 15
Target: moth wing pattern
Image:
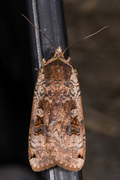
66 135
38 156
57 133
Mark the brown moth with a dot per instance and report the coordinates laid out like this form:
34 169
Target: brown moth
57 133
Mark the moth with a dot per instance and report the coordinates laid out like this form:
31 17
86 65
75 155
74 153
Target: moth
57 132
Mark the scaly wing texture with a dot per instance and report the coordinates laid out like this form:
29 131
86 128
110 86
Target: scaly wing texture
65 133
38 156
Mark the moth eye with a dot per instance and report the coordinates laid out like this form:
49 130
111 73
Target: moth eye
59 80
55 80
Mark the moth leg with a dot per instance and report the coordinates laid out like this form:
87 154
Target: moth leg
68 59
43 62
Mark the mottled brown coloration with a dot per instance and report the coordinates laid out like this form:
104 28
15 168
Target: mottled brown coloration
57 134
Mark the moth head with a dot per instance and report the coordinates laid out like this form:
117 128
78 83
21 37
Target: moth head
59 53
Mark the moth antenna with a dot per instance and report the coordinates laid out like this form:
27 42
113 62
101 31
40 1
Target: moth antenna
85 38
39 30
36 69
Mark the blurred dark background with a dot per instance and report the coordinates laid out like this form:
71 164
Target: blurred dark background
97 62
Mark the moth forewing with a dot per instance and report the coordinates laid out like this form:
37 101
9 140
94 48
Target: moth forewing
38 157
57 134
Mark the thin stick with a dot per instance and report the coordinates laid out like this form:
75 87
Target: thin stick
38 30
85 38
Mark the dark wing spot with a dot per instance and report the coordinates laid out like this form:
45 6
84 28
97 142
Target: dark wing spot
79 156
33 156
